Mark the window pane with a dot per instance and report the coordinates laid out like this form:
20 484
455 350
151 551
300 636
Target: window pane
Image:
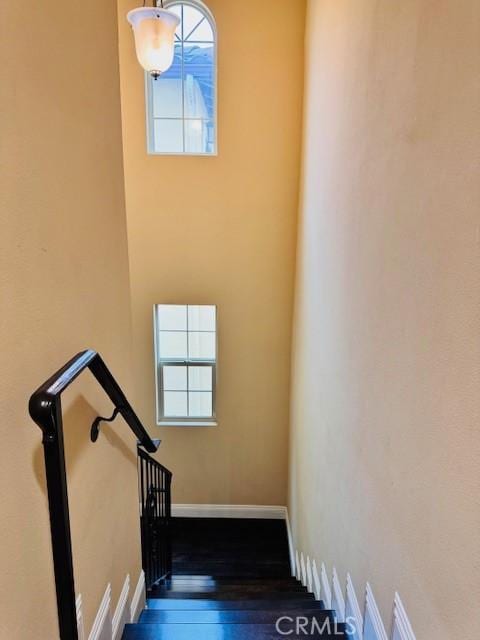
175 404
167 100
203 32
196 94
200 378
199 137
168 136
201 318
200 405
201 52
172 317
199 87
201 346
174 378
191 18
173 344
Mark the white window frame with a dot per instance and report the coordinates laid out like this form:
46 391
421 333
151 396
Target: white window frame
197 4
182 421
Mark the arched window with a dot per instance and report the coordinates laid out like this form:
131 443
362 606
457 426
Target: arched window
182 102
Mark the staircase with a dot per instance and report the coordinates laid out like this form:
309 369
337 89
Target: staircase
231 581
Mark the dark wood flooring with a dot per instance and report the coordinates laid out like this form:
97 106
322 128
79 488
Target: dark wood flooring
230 548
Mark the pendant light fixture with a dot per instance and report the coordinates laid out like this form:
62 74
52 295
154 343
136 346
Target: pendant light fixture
154 30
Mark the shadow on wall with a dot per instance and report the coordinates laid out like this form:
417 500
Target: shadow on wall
77 421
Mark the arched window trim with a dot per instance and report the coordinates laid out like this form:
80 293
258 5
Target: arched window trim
205 10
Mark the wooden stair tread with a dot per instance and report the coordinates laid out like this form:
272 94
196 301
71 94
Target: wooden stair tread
206 579
221 605
214 632
226 586
235 571
231 594
229 616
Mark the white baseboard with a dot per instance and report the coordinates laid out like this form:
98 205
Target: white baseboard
138 599
303 571
102 625
368 626
338 601
266 512
291 549
373 628
298 573
325 590
316 581
106 627
352 611
80 621
122 611
402 629
309 576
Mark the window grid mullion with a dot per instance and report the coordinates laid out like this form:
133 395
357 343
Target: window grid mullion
185 331
175 362
188 358
180 119
183 100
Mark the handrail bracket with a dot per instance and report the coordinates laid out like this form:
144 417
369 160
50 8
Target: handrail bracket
95 430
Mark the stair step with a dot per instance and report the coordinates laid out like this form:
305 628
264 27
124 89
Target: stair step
227 570
232 594
193 576
227 587
188 604
150 616
231 556
210 581
216 632
254 579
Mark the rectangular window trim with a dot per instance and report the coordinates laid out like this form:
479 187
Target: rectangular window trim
185 421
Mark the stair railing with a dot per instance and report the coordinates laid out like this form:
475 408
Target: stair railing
155 519
46 410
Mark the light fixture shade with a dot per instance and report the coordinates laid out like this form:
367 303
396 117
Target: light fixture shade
154 31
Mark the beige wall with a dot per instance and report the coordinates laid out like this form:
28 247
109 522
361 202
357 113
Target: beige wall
385 444
64 287
222 230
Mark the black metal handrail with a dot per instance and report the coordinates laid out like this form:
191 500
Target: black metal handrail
46 410
155 482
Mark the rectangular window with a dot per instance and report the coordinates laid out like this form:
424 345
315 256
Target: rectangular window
186 359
